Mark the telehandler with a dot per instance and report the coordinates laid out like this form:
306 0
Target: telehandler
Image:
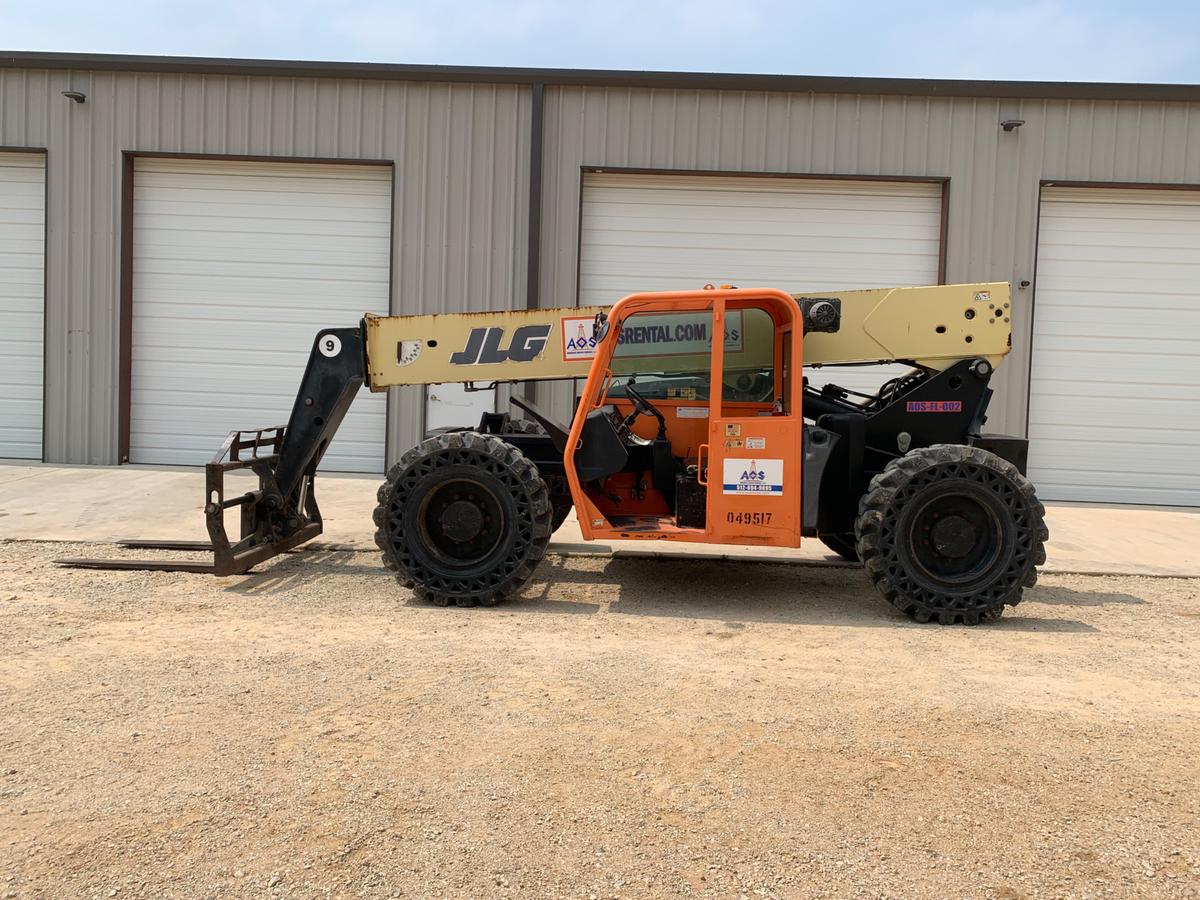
695 423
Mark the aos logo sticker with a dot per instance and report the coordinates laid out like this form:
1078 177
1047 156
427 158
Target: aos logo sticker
577 337
763 477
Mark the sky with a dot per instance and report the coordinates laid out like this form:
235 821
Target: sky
1068 40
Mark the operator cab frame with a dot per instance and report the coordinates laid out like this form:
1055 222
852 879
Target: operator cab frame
708 448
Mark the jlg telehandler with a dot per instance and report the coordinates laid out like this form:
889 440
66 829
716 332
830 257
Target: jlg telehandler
695 423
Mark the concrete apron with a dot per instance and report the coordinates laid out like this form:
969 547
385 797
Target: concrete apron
105 503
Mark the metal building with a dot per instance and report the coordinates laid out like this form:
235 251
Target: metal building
172 231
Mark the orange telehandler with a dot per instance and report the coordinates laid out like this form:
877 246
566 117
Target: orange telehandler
706 416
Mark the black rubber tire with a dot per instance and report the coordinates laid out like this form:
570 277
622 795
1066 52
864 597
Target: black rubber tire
842 544
524 426
560 502
895 543
515 494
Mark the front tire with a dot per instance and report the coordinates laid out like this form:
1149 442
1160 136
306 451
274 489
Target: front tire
951 533
463 518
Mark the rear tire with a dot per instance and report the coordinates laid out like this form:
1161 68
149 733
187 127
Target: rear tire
841 544
951 533
463 519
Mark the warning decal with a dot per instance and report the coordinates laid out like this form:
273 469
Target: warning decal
762 477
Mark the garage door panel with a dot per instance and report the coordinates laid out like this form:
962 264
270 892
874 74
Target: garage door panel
1117 494
1114 409
218 241
198 346
274 279
303 297
667 232
1142 336
1101 435
1098 471
229 232
1087 283
1073 383
1106 298
1074 486
350 252
828 253
1156 220
1089 339
244 211
1158 213
237 266
760 220
22 304
1114 274
1096 403
748 267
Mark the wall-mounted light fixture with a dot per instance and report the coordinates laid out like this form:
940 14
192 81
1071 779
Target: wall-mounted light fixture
1011 124
77 96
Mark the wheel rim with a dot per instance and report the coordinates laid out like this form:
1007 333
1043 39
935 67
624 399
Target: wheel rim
461 522
955 538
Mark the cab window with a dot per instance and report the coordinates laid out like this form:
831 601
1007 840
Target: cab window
669 355
749 370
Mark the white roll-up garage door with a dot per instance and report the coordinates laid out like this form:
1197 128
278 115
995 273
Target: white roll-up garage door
22 305
1114 406
236 266
675 232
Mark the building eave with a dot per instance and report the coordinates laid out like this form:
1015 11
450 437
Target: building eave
811 84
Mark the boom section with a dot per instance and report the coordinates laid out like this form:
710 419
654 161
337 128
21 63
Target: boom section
932 327
516 345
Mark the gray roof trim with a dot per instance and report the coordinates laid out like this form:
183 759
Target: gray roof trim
817 84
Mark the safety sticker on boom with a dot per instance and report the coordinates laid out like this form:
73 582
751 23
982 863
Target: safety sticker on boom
762 477
578 339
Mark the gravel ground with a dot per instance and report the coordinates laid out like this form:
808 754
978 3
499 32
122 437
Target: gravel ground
629 728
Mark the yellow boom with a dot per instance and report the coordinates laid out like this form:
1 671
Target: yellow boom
932 327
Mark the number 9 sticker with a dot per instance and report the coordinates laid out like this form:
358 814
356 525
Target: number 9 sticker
330 345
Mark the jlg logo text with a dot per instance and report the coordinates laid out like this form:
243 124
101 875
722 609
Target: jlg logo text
483 345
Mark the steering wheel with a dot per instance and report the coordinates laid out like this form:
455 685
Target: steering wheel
642 407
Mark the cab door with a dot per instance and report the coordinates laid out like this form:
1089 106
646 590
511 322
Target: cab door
753 453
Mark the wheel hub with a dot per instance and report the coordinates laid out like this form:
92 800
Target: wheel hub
953 536
461 520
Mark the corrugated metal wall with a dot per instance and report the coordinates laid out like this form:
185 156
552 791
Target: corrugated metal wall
462 162
994 176
461 156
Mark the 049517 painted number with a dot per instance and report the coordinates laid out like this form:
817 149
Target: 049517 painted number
749 518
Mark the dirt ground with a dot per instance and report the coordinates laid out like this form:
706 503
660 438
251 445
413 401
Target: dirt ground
629 728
